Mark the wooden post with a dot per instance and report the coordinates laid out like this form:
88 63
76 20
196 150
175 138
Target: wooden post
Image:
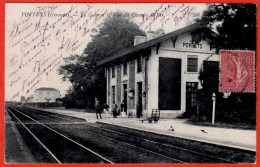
213 108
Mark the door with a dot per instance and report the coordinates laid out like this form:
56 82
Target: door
113 95
169 84
139 100
125 97
191 98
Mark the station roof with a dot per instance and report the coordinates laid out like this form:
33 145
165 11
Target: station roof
47 89
149 43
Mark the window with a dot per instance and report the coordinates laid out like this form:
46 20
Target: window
125 69
192 64
113 72
139 64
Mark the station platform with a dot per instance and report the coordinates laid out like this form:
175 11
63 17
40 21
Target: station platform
16 150
238 138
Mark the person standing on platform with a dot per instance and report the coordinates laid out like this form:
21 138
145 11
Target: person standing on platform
105 108
98 109
123 108
114 109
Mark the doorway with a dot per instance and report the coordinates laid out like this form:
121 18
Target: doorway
139 100
124 107
113 95
191 98
169 84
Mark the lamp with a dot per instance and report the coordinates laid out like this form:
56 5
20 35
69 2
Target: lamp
131 92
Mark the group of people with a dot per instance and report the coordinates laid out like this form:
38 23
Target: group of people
114 108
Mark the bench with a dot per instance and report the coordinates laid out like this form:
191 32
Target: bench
155 116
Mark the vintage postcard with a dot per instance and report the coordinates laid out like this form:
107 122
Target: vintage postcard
130 83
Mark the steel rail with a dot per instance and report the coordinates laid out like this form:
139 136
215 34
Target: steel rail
49 116
131 145
38 140
54 115
103 158
166 145
137 147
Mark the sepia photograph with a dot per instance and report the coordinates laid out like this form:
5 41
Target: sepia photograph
130 83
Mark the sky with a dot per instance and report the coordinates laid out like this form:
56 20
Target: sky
39 35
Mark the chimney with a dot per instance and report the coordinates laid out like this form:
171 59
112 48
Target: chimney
154 34
139 39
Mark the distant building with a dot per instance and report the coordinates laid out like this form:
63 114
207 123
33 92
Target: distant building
159 72
44 94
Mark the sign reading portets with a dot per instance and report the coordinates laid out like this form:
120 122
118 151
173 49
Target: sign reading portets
192 45
237 71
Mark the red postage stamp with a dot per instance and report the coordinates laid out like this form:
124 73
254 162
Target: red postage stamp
237 69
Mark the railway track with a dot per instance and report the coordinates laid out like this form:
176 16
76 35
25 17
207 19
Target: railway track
142 152
205 152
177 152
72 147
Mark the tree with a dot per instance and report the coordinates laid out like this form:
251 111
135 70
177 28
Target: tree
236 28
235 24
115 34
23 99
88 81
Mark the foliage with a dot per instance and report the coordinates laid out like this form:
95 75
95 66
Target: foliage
22 99
88 80
116 34
237 108
235 24
236 28
209 77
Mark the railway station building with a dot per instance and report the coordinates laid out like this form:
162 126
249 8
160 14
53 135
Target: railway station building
159 72
44 95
